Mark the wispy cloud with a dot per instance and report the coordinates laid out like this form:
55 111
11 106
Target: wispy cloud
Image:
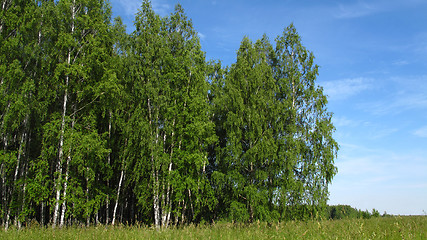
399 103
383 132
359 9
400 63
368 165
420 43
421 132
406 93
342 89
201 36
131 7
369 177
366 8
344 122
160 7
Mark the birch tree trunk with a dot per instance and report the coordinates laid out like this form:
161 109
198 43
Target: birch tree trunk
16 173
118 194
155 171
87 198
3 191
156 189
167 208
24 171
61 140
42 214
4 187
107 220
64 202
21 154
60 156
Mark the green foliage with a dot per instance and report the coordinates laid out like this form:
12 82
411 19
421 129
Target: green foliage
375 228
99 126
375 213
348 212
276 152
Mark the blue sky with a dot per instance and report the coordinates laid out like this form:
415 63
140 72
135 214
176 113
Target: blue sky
373 66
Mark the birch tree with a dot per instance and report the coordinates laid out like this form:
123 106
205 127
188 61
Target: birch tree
101 126
276 151
309 149
192 129
20 70
83 53
172 68
249 107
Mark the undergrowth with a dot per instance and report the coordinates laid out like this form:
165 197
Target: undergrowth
397 227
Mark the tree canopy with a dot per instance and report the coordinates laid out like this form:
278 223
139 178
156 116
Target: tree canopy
98 126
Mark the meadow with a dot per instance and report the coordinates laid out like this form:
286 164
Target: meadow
395 227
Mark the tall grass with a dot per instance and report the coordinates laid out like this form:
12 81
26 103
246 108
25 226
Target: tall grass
408 227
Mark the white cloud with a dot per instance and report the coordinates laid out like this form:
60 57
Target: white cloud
366 177
403 94
421 132
366 8
131 7
344 122
400 63
201 36
359 9
161 8
419 44
382 133
342 89
398 103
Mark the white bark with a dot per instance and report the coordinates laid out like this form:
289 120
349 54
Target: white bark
156 190
156 186
23 171
166 206
22 205
118 195
155 172
64 203
191 202
60 156
97 218
3 191
184 204
6 224
87 197
5 145
61 140
293 85
107 220
42 214
167 209
156 200
15 178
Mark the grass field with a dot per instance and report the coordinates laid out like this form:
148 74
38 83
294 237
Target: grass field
405 227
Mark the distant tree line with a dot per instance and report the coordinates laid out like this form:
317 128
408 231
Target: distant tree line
348 212
98 126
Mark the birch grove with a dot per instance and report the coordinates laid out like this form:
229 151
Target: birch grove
102 126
